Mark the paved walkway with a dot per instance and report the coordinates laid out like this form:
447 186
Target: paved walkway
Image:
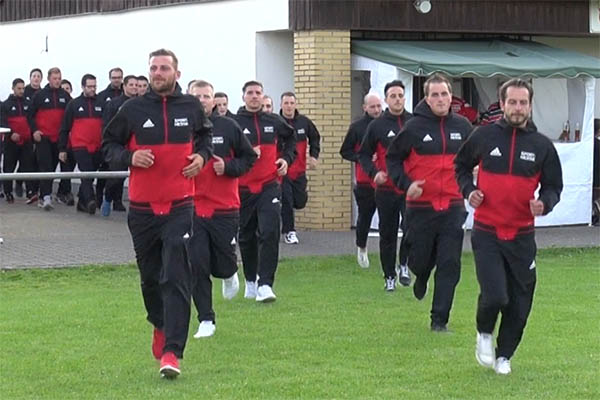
34 238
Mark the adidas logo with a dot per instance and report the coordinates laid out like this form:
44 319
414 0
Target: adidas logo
47 100
246 131
496 152
427 138
186 235
148 124
275 200
107 99
80 109
13 108
391 133
233 242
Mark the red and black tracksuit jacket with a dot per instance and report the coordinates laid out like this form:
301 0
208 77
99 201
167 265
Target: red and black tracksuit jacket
216 194
47 111
13 114
267 131
351 146
425 150
173 127
512 163
110 108
82 125
306 133
108 95
379 135
30 92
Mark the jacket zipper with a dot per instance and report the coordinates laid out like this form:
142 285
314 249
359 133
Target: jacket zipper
54 98
512 151
443 134
165 119
89 107
257 127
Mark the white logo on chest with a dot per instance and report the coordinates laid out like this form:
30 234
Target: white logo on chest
269 129
246 131
98 108
148 124
527 156
61 100
496 152
391 133
80 109
180 122
427 138
217 140
301 131
455 136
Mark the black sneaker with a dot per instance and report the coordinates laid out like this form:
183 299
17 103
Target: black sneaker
437 327
9 198
420 288
61 198
81 207
118 206
70 199
91 207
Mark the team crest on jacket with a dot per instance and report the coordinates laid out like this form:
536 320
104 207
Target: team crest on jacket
269 129
217 139
301 131
62 100
527 156
455 136
180 122
97 108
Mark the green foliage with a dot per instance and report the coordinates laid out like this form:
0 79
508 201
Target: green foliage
333 333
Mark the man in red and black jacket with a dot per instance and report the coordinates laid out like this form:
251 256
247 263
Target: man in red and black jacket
259 192
18 146
420 162
389 199
82 128
364 188
217 205
293 185
45 118
164 138
514 159
114 88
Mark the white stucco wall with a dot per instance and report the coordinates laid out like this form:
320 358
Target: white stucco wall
213 41
275 64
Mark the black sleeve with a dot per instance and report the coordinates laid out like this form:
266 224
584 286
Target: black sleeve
65 127
366 151
466 159
347 150
288 137
397 152
551 183
314 140
115 137
202 134
244 155
33 107
3 118
108 113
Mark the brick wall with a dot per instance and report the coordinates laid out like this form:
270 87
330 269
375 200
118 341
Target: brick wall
322 84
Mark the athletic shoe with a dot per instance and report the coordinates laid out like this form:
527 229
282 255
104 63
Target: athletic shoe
61 198
484 350
290 238
158 342
118 206
362 257
18 190
91 207
250 292
47 203
265 294
502 366
231 287
437 327
105 208
390 284
419 288
70 199
169 366
206 329
404 276
81 207
32 198
10 198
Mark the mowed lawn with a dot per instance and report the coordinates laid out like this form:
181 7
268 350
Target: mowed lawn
333 333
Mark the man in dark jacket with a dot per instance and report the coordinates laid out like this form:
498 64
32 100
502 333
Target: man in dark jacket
420 162
364 188
259 192
114 88
164 137
217 205
389 199
513 159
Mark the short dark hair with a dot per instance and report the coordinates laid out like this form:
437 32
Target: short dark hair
289 94
165 52
113 70
17 81
67 82
35 70
85 78
251 83
142 78
128 78
221 94
396 82
436 78
515 82
53 70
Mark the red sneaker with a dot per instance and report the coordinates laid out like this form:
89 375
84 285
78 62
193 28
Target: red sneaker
158 342
169 366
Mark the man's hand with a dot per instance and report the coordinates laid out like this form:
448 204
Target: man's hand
219 165
282 166
62 156
196 164
15 137
536 207
374 157
37 136
312 163
142 158
475 198
257 151
380 178
415 190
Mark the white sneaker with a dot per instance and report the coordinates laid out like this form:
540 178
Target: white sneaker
484 350
231 287
47 203
502 366
290 238
206 329
403 276
265 294
362 256
250 292
390 284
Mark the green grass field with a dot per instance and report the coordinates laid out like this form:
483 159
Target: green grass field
333 333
